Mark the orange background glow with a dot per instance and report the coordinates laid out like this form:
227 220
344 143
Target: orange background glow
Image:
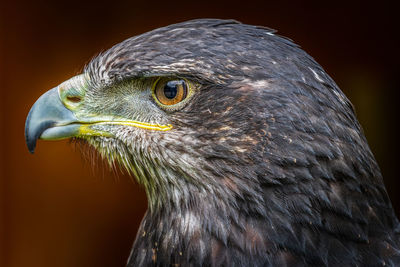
55 209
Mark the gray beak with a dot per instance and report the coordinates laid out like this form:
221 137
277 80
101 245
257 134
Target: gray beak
45 117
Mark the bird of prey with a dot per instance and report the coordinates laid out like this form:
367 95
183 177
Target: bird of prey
249 153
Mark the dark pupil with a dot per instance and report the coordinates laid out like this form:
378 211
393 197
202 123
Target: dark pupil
171 89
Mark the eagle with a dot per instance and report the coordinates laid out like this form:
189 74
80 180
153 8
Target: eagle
249 153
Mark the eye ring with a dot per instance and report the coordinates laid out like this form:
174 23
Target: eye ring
169 92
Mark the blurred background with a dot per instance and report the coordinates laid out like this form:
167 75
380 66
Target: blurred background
55 209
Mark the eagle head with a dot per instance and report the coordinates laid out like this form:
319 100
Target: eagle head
248 151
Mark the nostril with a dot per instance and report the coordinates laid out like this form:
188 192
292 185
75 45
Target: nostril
74 99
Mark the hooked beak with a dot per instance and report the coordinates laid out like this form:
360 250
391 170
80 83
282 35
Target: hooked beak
49 119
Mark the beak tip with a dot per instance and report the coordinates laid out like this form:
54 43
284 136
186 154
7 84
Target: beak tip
30 138
31 147
30 142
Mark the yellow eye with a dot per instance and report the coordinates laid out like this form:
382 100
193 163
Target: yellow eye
170 92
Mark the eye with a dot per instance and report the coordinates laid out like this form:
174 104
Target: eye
170 92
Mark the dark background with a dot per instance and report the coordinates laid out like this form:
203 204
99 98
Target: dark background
56 210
